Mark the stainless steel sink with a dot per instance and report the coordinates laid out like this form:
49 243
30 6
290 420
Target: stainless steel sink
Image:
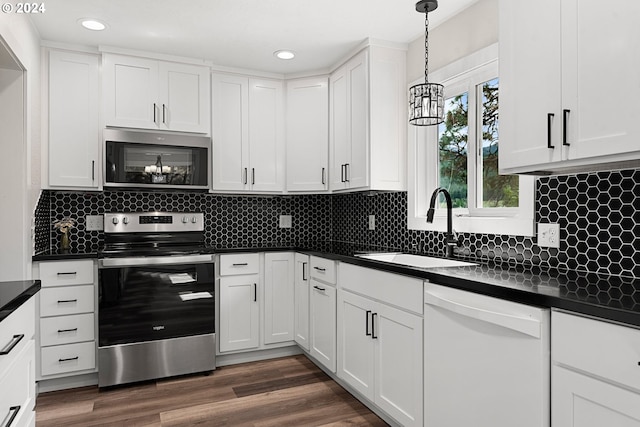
414 260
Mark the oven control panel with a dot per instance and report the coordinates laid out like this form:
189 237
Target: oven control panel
134 222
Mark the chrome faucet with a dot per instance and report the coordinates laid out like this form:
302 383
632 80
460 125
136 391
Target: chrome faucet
450 240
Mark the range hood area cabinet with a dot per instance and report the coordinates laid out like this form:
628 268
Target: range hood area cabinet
368 121
248 134
158 95
568 94
72 144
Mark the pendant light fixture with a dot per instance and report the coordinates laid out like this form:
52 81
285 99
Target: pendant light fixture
426 100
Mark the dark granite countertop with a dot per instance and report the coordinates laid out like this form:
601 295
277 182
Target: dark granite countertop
613 298
14 294
72 253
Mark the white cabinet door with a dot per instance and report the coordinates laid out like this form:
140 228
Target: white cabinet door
339 128
580 400
301 306
266 135
74 127
278 297
184 97
130 90
598 67
239 312
357 168
307 134
398 364
323 324
355 343
230 100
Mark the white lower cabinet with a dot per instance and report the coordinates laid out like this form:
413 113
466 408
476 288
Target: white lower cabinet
239 312
595 378
278 297
301 305
323 323
380 355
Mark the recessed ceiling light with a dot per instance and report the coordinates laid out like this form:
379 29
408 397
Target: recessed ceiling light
284 54
92 24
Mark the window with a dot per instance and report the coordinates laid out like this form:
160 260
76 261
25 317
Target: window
461 155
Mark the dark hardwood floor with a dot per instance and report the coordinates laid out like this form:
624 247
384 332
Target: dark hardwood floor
289 391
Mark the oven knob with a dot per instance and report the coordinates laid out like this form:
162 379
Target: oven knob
114 221
194 220
185 220
125 220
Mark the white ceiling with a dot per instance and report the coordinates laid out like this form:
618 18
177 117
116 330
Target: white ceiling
242 33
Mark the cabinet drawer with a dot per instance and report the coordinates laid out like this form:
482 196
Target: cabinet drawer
234 264
60 273
395 289
66 300
16 331
66 329
604 349
323 269
18 386
60 359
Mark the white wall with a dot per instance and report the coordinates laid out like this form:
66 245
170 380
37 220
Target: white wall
471 30
19 145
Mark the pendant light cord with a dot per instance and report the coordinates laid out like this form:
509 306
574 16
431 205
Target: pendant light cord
426 47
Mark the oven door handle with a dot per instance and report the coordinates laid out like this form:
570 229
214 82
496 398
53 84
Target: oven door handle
154 260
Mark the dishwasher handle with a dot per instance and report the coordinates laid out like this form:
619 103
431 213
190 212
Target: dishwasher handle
524 325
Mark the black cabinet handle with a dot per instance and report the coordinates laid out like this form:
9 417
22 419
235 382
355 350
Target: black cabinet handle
245 176
69 273
319 288
341 173
367 332
14 410
323 181
549 120
320 269
164 113
255 292
154 112
63 301
93 170
346 172
253 176
240 264
61 331
12 344
565 119
373 326
68 359
304 264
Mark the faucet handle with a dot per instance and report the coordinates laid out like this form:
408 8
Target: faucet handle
456 239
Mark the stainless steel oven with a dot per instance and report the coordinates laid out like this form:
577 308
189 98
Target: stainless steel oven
156 298
156 160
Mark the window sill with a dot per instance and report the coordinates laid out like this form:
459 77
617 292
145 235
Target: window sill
515 226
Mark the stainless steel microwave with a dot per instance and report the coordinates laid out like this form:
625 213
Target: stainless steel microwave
138 159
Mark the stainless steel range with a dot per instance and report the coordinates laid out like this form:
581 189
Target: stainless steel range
156 298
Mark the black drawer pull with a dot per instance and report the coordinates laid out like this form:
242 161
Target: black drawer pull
549 122
68 360
69 273
12 344
61 331
14 411
240 264
304 264
373 326
65 301
319 288
367 332
320 269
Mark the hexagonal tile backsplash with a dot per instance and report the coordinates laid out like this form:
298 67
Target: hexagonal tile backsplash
598 213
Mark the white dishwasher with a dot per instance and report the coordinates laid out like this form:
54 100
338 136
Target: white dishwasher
486 361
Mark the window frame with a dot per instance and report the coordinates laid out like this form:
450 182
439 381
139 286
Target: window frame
458 77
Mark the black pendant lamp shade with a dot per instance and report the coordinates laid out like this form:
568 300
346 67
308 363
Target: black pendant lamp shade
426 100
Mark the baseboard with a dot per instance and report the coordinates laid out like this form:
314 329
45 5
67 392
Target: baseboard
55 384
254 356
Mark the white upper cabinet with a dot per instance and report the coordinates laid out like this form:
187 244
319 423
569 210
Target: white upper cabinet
566 99
307 134
149 94
248 134
74 120
368 121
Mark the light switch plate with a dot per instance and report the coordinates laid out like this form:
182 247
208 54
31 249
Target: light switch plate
94 223
285 221
372 222
548 235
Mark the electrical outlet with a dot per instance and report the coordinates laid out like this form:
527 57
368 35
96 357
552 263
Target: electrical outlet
285 221
372 222
94 223
549 235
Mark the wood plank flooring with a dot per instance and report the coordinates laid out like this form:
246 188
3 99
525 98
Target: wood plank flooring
289 391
